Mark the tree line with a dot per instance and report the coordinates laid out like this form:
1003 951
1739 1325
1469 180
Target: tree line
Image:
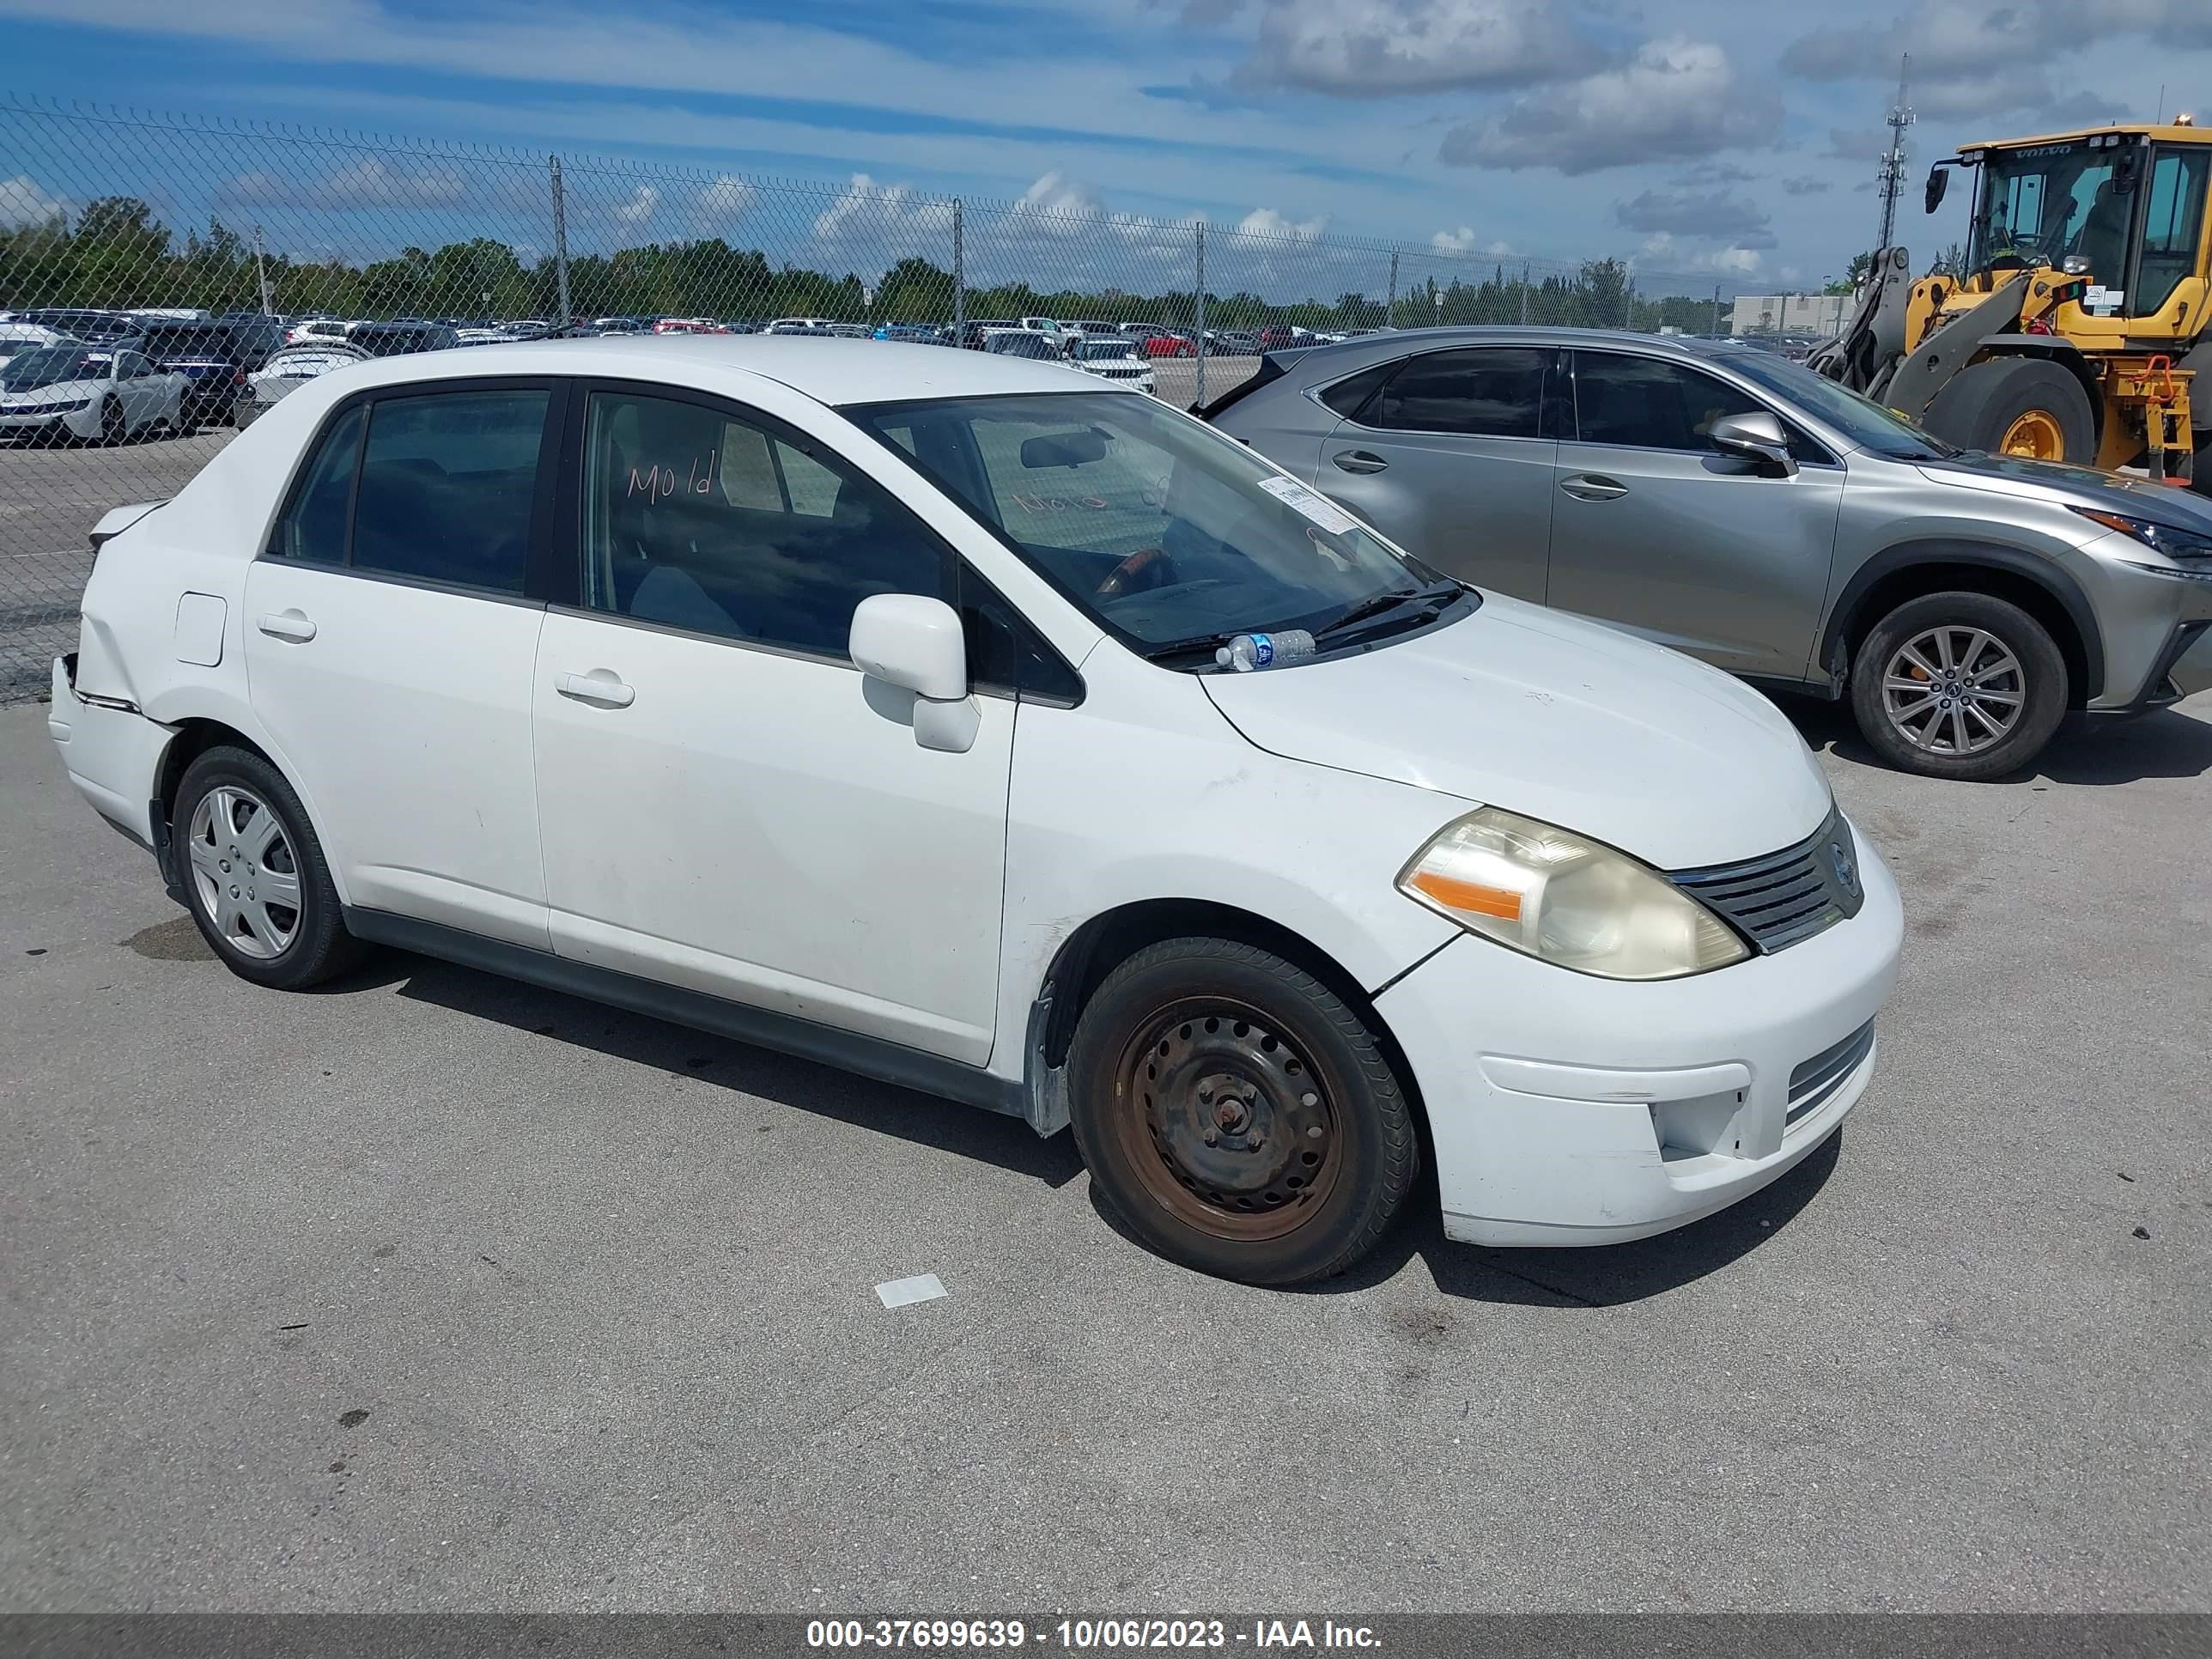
117 254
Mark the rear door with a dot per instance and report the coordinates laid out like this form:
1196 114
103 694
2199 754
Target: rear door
1657 531
1450 455
389 648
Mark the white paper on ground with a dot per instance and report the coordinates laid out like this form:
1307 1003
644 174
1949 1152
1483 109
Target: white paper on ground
898 1292
1318 507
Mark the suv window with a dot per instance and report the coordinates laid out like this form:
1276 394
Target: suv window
2169 249
313 526
1346 395
447 485
1482 393
1647 403
699 519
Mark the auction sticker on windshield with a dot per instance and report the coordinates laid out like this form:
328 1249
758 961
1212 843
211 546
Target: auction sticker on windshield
1318 507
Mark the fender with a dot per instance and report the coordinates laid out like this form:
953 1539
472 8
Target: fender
1991 556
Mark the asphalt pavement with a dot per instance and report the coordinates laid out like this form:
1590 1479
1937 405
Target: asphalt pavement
435 1291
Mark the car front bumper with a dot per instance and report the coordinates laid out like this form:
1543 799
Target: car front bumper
81 423
1571 1110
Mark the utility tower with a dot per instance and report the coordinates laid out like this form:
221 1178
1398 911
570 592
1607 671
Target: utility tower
1889 182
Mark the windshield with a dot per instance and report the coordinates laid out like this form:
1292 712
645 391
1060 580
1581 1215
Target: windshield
27 371
1092 351
1865 423
2044 203
1019 345
1161 529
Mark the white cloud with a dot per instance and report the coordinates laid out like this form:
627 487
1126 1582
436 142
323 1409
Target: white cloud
23 201
720 204
1265 222
864 208
1663 252
638 207
370 182
1679 100
1454 242
1372 48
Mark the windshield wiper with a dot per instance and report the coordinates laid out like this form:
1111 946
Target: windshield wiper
1197 643
1434 593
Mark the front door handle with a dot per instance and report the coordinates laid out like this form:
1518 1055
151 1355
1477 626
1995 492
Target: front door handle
1358 460
1591 487
600 687
291 625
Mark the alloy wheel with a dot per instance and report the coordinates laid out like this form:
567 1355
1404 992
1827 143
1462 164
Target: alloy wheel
245 873
1953 690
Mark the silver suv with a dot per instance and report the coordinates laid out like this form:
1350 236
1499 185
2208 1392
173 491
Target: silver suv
1736 507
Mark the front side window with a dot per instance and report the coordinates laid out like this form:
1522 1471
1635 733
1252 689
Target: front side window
1492 393
447 485
1649 404
1161 529
697 519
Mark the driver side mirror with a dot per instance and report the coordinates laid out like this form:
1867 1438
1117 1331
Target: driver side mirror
1938 182
1755 437
907 643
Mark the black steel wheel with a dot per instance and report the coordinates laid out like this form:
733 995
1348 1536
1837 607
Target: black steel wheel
1238 1115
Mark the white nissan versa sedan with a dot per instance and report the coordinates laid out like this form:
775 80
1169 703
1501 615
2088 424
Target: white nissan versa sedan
861 700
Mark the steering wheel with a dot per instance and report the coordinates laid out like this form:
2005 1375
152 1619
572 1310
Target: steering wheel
1146 568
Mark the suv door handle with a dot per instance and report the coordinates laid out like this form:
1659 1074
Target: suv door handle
1590 487
1358 460
599 686
291 625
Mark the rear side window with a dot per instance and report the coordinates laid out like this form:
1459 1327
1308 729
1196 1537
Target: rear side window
1347 395
447 485
1486 392
314 527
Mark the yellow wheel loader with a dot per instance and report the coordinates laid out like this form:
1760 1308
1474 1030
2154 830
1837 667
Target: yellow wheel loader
2083 316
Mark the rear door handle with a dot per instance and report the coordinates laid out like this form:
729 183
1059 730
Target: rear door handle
1590 487
600 687
1358 460
291 625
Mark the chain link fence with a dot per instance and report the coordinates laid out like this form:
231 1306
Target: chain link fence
119 227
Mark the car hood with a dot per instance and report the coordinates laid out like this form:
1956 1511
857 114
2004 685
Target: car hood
46 394
2067 486
1557 719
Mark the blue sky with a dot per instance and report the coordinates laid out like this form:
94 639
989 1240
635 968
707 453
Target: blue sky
1706 139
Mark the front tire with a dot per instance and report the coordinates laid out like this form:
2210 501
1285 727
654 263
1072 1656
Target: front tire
2019 406
114 426
1237 1115
254 876
1958 685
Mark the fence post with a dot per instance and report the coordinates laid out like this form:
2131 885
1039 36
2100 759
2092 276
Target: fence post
561 239
1199 233
959 280
1524 294
1391 320
1628 297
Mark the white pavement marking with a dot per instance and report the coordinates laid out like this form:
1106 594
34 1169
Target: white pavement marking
898 1292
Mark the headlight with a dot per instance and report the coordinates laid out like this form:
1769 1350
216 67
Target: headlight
2169 539
1552 894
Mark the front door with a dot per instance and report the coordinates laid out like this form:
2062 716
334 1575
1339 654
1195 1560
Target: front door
1451 458
1656 532
389 652
724 802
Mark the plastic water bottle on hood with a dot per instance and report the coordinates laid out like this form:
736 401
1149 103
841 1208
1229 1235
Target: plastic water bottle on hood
1248 651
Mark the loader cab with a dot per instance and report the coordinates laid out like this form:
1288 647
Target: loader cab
2122 208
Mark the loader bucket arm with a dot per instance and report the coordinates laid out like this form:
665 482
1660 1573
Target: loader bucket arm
1866 353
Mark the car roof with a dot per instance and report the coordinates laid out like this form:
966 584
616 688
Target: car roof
1370 348
835 372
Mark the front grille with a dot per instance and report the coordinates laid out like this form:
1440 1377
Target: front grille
1785 897
1822 1075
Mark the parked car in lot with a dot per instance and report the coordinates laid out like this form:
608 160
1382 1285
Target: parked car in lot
310 330
93 326
1732 505
402 340
1165 342
1020 342
1234 342
287 370
1576 913
1112 358
214 358
19 337
802 326
975 332
52 394
1062 335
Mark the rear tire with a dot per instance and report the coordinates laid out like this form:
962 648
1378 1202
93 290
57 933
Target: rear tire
114 426
254 876
1312 1149
2024 407
1958 685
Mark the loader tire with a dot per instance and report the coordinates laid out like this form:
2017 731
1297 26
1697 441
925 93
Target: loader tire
2023 407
